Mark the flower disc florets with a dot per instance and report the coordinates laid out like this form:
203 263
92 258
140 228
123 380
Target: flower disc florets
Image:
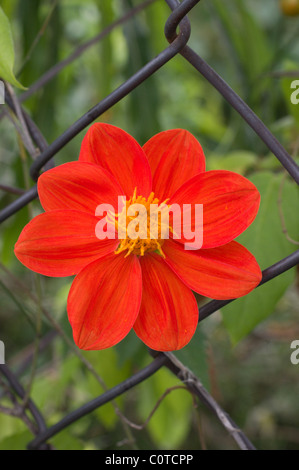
142 225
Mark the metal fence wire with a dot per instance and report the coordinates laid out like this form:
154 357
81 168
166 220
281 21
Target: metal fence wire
177 32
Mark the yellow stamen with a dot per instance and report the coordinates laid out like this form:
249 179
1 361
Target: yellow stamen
156 228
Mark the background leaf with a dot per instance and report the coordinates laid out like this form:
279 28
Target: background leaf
252 46
18 441
194 356
7 55
265 239
169 425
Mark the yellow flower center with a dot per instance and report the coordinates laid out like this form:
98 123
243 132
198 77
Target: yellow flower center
142 225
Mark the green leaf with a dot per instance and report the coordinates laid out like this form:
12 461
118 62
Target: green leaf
256 47
266 240
66 441
17 441
105 362
194 357
239 161
251 50
143 100
131 348
7 54
9 425
170 423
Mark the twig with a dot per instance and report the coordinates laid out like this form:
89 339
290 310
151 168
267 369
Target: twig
139 427
187 377
33 130
283 74
106 397
67 340
280 198
52 72
281 214
13 119
18 389
38 325
195 385
178 17
18 412
38 36
11 189
26 138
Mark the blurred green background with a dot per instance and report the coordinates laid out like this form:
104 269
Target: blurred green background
242 354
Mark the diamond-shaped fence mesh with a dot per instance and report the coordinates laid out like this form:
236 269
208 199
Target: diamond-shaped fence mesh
177 32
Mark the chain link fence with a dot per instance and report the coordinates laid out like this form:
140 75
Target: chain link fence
177 32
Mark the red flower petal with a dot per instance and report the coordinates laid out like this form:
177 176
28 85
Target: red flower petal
61 243
120 154
226 272
77 186
104 301
174 157
230 204
168 314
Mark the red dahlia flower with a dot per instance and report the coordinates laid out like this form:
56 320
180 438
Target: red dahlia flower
125 284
